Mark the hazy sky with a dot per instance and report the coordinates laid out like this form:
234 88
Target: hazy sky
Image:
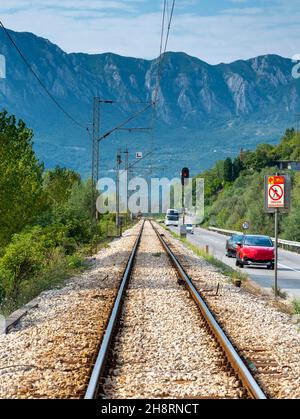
213 30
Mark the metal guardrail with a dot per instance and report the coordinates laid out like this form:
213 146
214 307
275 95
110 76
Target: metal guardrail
282 243
231 354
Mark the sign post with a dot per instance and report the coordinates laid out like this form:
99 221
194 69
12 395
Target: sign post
277 200
276 254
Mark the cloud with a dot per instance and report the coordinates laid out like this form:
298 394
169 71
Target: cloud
95 5
132 27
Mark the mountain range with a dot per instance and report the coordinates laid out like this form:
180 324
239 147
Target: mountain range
204 112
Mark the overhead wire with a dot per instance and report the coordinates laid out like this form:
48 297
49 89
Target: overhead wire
44 87
163 44
167 17
121 125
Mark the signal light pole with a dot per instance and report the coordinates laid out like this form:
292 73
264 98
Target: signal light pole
96 151
96 139
119 161
185 174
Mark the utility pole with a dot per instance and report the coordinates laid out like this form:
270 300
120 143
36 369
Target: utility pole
119 161
96 152
126 152
126 170
95 156
95 165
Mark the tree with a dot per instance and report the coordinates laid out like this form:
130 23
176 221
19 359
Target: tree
237 167
263 156
228 170
21 194
291 222
58 184
21 261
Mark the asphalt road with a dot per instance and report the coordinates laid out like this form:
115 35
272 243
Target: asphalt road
289 262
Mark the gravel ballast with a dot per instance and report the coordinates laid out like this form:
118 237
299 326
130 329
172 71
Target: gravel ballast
50 352
268 339
162 349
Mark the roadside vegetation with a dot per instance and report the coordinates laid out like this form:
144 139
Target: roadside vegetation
234 189
296 306
45 229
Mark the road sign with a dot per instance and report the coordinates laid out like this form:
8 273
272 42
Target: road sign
276 185
277 200
246 225
139 155
278 193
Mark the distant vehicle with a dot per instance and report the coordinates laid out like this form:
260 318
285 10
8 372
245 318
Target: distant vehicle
255 251
189 228
172 218
231 244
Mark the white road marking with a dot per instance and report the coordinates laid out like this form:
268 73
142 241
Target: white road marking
288 267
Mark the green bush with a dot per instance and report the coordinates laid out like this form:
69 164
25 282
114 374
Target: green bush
74 261
45 229
22 260
296 306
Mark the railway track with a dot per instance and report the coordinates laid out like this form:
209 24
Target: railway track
156 344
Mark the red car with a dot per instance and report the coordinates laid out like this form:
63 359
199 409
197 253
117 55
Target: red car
255 251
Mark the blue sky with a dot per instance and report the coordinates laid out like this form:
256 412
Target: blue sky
213 30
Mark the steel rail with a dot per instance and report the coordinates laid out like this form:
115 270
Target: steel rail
100 364
233 357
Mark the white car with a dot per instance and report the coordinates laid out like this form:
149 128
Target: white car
189 228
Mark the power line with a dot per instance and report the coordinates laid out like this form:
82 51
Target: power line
67 114
163 50
169 25
117 128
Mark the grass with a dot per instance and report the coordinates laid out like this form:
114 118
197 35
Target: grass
156 255
61 268
226 270
54 275
280 293
296 306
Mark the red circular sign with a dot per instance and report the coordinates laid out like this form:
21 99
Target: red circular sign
276 192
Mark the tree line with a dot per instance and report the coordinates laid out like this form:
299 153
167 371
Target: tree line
234 189
45 229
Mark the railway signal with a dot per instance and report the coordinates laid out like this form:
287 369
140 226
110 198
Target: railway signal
185 175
